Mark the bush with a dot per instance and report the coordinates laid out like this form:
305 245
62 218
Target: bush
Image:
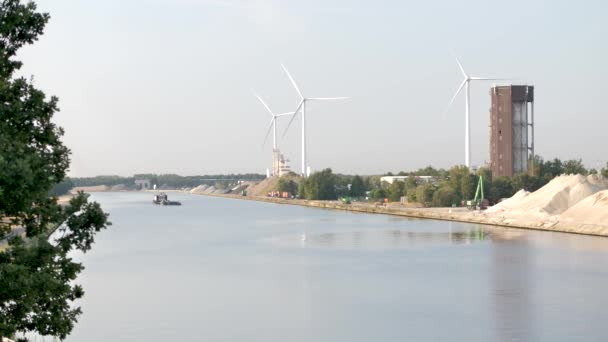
287 185
377 194
444 197
411 195
395 191
424 194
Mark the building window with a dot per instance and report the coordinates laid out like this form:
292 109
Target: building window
500 156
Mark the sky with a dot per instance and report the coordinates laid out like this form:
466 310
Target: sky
166 86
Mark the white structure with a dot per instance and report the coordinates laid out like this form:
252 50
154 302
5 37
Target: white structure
302 105
420 179
280 164
276 155
467 130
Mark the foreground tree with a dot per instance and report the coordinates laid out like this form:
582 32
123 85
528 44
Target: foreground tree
37 289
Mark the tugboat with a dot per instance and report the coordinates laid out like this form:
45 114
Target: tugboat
162 199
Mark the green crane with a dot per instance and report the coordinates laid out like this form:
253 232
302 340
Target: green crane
478 201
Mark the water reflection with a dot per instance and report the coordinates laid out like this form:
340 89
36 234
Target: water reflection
248 271
393 238
512 291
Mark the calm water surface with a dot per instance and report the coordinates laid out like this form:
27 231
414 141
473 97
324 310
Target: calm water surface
230 270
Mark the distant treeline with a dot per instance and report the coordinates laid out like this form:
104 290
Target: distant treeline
165 180
448 187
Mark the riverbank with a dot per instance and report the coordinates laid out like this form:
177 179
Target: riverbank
444 214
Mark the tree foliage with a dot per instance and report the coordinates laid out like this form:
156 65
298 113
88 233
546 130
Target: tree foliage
62 187
445 196
320 186
395 191
424 193
574 166
459 184
357 187
37 289
287 185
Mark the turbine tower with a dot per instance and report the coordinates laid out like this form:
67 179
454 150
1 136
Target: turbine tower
302 105
467 130
273 123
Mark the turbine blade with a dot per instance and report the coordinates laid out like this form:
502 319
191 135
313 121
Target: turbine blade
453 98
461 68
268 132
264 104
292 81
295 113
283 114
327 98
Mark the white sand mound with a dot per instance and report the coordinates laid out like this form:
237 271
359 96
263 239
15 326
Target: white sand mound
509 203
199 189
557 196
593 210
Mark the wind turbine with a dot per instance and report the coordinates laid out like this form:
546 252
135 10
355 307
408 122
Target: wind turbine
273 122
302 105
467 131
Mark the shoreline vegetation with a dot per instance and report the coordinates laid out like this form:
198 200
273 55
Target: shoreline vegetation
557 196
444 214
457 214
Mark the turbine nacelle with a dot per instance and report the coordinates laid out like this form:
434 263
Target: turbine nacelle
273 121
302 106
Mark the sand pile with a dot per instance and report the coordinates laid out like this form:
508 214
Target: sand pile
264 187
509 203
199 189
556 197
239 188
593 211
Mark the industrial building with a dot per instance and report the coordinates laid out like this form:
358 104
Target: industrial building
419 179
280 164
511 129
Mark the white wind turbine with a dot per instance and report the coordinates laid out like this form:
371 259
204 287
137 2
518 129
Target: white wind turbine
466 83
302 105
273 123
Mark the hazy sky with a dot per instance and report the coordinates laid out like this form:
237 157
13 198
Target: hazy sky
166 85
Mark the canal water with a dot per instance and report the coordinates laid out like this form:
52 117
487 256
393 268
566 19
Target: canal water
220 269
